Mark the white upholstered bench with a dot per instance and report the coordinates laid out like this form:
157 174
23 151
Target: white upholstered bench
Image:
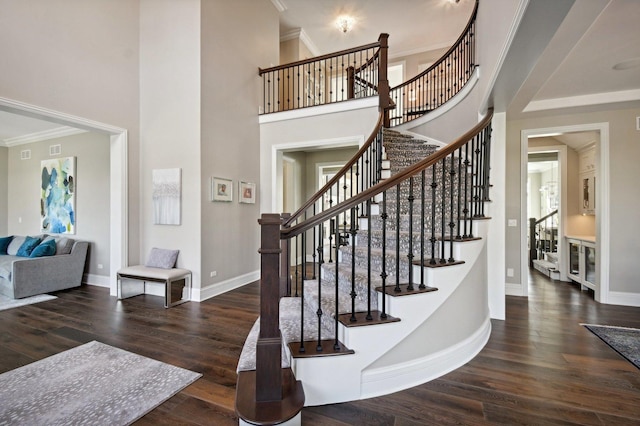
177 283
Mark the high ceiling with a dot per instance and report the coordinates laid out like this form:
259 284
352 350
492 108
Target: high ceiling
413 25
575 70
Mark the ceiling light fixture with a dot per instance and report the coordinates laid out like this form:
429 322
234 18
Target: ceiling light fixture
345 23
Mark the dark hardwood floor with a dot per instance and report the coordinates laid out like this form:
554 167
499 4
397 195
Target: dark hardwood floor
540 366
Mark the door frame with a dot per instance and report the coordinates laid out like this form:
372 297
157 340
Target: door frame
603 234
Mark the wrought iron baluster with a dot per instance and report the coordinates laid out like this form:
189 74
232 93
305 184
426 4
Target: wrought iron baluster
383 274
443 211
397 288
354 232
452 224
432 239
411 198
319 311
459 195
465 209
422 211
369 317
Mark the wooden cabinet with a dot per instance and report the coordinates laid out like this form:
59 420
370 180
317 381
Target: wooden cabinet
582 262
587 177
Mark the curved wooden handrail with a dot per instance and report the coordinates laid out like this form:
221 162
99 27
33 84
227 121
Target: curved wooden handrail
542 219
340 173
447 53
318 58
369 193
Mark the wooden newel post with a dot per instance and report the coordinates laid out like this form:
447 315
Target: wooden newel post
269 346
351 82
383 82
285 263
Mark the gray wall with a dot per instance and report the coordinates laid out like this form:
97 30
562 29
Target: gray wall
624 150
230 140
92 192
4 152
80 58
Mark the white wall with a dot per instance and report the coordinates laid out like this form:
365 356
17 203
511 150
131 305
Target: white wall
331 129
92 192
230 135
4 152
623 205
79 58
170 122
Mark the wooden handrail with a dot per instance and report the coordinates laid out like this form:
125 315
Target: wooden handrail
319 58
447 53
371 192
546 217
338 175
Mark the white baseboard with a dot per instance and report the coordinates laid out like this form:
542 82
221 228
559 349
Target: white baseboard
514 289
200 294
624 298
405 375
97 280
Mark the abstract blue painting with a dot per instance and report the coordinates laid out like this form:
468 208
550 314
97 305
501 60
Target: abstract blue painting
58 196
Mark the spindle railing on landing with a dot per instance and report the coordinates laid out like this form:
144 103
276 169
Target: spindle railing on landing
440 82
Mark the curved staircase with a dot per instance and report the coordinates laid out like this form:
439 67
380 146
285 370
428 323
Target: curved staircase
371 353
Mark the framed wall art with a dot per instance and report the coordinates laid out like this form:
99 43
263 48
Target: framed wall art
247 192
166 193
58 195
221 189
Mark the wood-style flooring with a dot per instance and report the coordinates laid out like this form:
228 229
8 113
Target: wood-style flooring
540 366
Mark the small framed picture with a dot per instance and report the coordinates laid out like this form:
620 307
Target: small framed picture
247 192
221 189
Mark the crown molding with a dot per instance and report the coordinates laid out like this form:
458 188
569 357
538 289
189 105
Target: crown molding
280 5
299 33
583 100
44 135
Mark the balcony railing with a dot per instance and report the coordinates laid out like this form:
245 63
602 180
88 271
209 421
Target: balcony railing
354 73
438 83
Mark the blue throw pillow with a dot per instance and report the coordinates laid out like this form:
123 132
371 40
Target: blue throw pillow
27 247
4 243
48 248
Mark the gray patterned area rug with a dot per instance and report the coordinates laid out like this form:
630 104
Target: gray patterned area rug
8 303
625 341
92 384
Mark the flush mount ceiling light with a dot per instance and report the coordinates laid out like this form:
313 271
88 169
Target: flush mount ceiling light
345 23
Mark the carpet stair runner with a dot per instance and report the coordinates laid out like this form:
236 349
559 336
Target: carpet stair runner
401 151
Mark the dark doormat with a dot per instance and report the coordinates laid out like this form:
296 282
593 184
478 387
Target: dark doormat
625 341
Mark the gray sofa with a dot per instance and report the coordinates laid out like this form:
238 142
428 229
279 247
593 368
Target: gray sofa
24 276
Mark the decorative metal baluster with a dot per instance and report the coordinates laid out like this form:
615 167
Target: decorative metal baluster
452 224
477 177
383 274
422 285
487 184
354 232
313 253
410 254
471 180
304 253
369 317
434 185
443 212
319 311
297 265
465 209
336 344
397 289
332 226
459 196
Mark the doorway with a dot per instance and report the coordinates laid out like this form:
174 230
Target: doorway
570 211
